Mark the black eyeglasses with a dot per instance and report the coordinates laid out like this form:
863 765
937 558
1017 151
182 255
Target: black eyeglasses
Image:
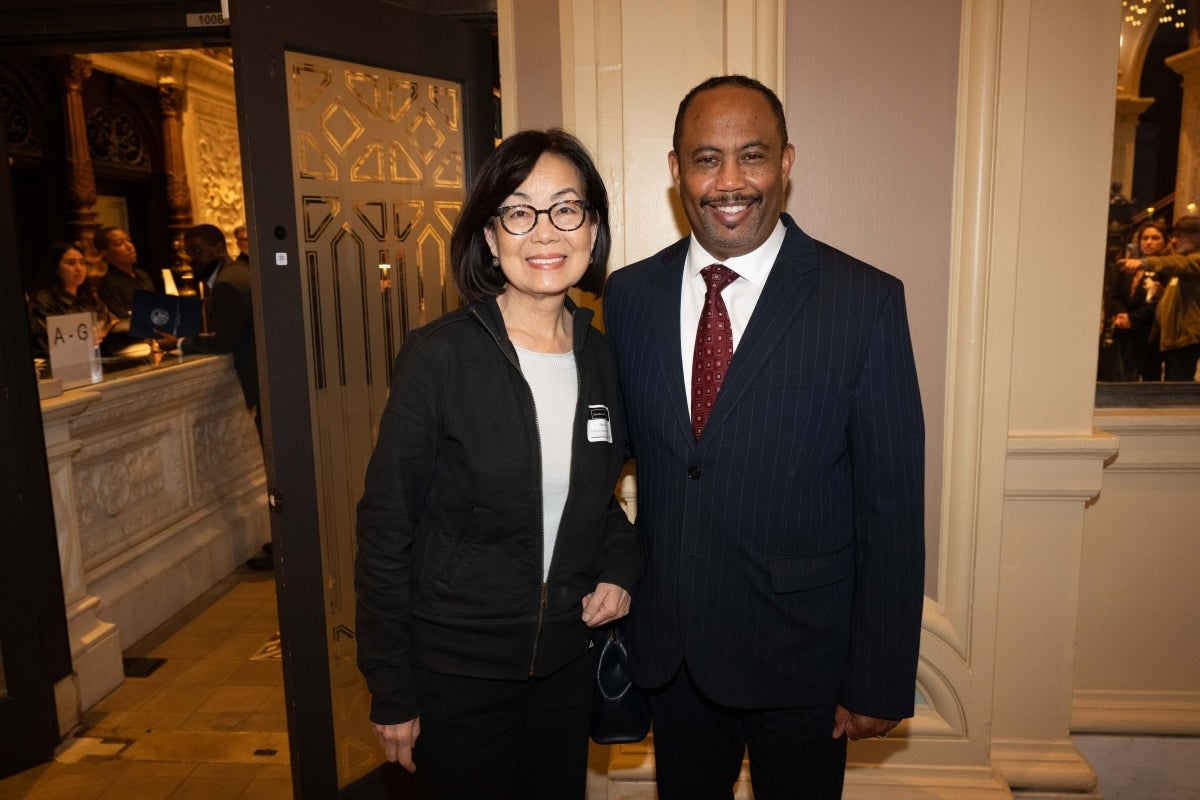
566 215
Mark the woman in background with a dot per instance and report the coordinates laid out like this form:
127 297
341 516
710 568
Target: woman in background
490 545
60 287
1134 300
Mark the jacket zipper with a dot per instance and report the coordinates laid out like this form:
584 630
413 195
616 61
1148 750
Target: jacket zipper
544 592
537 633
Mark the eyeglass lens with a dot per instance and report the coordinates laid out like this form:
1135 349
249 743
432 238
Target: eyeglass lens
566 215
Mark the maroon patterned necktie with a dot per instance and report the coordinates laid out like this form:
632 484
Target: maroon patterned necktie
714 345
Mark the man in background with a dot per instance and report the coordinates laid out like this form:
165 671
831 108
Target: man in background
122 278
1177 319
241 237
228 291
777 427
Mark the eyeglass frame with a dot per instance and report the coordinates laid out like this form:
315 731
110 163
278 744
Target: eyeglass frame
584 206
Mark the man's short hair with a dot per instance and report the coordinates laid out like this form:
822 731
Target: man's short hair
100 237
1187 224
740 81
209 234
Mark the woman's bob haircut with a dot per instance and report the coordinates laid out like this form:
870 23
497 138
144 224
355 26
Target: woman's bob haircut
501 174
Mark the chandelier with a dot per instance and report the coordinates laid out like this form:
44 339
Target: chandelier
1138 12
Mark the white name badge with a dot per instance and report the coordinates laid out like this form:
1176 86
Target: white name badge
598 427
74 359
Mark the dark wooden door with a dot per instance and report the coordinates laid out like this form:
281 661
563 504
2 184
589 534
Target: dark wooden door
34 652
360 123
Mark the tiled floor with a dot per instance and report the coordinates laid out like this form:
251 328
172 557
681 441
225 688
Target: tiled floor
208 723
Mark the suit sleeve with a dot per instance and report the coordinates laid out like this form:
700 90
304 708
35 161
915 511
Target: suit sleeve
887 441
397 482
231 315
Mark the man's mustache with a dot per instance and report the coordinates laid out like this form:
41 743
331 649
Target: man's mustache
732 199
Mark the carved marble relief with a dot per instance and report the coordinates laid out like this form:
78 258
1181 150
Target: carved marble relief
128 486
218 176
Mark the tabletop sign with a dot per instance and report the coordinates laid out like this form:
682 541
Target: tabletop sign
74 357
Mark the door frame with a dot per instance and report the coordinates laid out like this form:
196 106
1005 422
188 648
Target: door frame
261 34
35 650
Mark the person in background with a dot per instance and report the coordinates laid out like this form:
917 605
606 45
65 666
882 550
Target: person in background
229 295
777 428
490 545
60 287
122 278
241 237
1133 303
1178 315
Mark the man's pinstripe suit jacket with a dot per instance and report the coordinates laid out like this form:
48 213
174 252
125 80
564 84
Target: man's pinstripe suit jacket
786 547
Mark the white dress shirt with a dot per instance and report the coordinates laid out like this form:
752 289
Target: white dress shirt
740 297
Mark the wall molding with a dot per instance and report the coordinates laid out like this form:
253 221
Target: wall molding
1136 712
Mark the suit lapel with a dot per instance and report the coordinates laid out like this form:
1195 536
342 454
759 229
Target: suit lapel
792 281
666 285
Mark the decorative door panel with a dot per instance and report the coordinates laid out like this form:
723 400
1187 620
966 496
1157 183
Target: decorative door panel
379 177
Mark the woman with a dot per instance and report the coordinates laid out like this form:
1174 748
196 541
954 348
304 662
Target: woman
60 287
490 546
1133 300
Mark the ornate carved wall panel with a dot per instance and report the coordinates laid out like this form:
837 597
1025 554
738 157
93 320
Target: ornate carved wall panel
216 175
378 159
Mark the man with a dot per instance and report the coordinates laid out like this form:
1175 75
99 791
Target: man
122 278
228 290
780 494
241 237
1177 318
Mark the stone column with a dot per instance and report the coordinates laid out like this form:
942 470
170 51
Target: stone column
1125 143
1187 177
179 198
81 181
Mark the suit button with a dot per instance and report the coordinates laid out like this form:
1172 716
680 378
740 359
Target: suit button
694 473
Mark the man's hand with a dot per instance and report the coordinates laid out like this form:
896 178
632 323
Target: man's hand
857 726
1130 264
165 340
398 740
607 603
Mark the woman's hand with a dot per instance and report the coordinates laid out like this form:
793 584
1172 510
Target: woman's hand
1130 264
398 740
607 603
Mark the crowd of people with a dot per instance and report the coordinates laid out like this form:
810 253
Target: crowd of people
1152 312
62 285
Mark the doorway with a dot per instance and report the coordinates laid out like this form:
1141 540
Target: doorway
307 534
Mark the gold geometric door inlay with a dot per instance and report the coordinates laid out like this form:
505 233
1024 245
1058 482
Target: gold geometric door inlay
378 160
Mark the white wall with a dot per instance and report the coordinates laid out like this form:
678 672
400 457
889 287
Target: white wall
965 147
874 173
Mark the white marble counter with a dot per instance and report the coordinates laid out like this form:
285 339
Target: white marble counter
159 492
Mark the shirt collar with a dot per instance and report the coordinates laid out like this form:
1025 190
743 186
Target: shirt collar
754 266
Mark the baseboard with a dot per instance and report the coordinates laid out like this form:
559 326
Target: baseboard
1132 712
1043 766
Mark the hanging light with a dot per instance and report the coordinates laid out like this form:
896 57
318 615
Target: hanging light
1137 12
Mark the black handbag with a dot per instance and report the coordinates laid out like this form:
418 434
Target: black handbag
620 714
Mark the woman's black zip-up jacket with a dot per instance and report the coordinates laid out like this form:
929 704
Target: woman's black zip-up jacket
449 565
